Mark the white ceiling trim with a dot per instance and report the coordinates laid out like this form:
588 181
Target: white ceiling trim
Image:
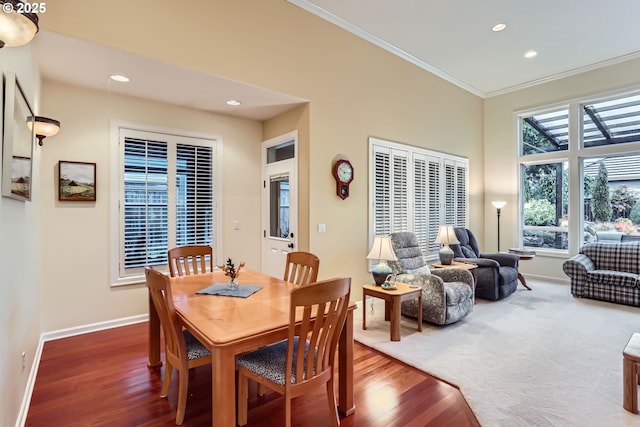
342 23
328 16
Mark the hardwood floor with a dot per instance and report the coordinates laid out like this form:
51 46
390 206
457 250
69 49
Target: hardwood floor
101 379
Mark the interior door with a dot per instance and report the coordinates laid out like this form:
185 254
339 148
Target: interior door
279 203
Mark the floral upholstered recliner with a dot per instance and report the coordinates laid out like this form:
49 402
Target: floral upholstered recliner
447 294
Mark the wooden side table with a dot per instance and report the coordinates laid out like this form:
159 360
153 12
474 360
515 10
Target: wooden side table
523 257
392 300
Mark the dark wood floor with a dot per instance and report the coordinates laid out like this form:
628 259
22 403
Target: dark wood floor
101 379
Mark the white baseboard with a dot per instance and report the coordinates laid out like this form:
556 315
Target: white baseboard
64 333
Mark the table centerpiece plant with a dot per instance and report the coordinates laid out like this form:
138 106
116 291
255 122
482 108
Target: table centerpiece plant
230 270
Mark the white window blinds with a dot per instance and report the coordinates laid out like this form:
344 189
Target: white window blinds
414 189
166 198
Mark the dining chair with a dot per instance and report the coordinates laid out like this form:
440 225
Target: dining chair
305 360
183 351
186 260
301 268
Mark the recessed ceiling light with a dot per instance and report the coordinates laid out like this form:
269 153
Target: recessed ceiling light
499 27
119 78
233 102
530 54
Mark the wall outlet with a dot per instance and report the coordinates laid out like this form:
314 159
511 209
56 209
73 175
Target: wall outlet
322 228
24 360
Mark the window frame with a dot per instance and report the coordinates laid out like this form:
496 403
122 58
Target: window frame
413 154
173 136
574 155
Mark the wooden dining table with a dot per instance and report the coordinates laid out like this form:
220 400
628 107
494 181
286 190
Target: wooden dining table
230 326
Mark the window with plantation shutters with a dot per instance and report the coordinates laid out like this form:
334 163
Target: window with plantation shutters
413 189
145 204
194 195
166 198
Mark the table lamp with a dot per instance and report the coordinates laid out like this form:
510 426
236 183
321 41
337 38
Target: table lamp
446 236
383 252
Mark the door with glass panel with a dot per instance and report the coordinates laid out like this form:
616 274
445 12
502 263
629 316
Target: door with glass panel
279 202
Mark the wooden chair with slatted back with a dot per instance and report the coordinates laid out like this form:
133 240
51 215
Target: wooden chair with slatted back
187 260
305 360
301 268
183 351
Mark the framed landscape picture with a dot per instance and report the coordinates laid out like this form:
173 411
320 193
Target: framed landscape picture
77 181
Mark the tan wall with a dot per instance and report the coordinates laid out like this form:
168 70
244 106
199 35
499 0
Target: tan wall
20 259
355 89
76 236
501 175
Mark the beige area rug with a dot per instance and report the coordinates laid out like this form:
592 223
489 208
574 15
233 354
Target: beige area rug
537 358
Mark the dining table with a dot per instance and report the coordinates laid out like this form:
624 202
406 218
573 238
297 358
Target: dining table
230 326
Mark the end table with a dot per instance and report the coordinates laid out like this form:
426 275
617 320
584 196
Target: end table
392 300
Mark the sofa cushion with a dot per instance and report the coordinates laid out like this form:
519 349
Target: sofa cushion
614 256
613 278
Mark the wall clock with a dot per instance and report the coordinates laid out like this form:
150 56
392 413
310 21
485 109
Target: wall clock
343 173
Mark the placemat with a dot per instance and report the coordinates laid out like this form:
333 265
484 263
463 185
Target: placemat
242 291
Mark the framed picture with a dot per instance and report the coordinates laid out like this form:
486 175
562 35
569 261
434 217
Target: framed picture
17 140
76 181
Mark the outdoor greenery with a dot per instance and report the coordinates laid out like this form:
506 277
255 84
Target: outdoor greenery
539 212
608 209
600 200
634 216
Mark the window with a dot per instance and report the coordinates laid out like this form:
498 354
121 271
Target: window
166 197
414 189
598 161
545 219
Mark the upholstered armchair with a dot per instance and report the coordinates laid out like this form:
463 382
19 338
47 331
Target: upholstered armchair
497 273
447 294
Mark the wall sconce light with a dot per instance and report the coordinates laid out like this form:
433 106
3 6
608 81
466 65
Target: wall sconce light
498 205
17 29
43 127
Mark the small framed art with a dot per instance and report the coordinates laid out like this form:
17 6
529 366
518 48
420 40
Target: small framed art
76 181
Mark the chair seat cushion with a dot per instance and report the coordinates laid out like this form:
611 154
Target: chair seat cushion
195 349
269 361
457 292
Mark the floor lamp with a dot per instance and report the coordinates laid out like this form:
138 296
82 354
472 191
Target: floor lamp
498 205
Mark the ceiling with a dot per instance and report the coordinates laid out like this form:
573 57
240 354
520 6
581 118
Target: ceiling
453 38
77 62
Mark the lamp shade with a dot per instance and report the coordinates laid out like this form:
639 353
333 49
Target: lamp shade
43 127
498 204
446 235
382 251
16 29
